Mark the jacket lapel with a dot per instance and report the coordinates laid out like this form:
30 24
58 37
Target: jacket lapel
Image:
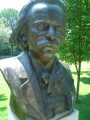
30 88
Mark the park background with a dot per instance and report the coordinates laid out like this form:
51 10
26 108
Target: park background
75 50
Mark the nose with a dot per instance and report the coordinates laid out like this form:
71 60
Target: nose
51 33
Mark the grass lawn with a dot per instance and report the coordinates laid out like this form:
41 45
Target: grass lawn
84 97
4 99
83 106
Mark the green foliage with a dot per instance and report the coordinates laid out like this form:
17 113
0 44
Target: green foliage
4 40
76 43
83 104
4 34
15 50
76 47
9 17
5 47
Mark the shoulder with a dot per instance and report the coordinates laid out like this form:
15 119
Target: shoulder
11 66
8 67
65 67
8 70
11 63
66 70
7 63
17 66
67 74
68 77
64 64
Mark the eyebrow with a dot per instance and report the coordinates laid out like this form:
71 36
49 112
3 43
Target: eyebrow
45 21
58 22
37 21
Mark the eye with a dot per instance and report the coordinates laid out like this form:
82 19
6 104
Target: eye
42 26
58 28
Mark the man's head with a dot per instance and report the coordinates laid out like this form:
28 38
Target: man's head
41 27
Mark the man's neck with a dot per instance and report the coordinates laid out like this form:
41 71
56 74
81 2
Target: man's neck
49 64
46 62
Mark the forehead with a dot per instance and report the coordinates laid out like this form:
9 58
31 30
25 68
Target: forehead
46 11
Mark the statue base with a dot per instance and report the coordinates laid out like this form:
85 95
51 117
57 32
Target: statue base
72 116
11 115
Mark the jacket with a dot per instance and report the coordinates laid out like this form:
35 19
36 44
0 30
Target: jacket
26 99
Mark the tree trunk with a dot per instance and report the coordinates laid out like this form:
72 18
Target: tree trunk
78 81
80 50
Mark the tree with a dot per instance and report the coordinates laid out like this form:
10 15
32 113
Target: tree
5 47
4 40
76 47
9 17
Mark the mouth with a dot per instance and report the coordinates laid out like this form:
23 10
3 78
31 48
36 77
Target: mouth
48 48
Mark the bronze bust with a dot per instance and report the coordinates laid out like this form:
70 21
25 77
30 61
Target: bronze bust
42 87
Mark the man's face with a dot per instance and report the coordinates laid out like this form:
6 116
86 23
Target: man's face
46 29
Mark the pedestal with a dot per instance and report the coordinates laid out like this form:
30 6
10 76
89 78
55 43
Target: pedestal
11 115
73 116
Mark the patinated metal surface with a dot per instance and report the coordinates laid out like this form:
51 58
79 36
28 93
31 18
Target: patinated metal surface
42 87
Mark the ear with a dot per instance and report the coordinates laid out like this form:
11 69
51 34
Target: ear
20 39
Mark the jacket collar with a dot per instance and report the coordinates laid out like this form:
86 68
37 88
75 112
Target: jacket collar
29 84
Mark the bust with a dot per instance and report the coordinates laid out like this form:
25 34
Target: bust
42 87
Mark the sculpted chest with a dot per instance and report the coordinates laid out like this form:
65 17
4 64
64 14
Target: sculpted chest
33 98
45 103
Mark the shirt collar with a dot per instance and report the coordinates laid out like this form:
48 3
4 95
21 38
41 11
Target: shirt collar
41 69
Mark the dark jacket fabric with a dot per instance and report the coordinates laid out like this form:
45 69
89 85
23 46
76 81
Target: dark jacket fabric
29 99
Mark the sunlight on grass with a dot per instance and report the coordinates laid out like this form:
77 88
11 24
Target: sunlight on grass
84 94
4 99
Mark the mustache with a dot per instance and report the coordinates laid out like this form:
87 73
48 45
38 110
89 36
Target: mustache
47 43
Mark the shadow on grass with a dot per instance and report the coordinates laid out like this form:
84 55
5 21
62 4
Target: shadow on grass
84 107
3 97
3 109
85 80
82 72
